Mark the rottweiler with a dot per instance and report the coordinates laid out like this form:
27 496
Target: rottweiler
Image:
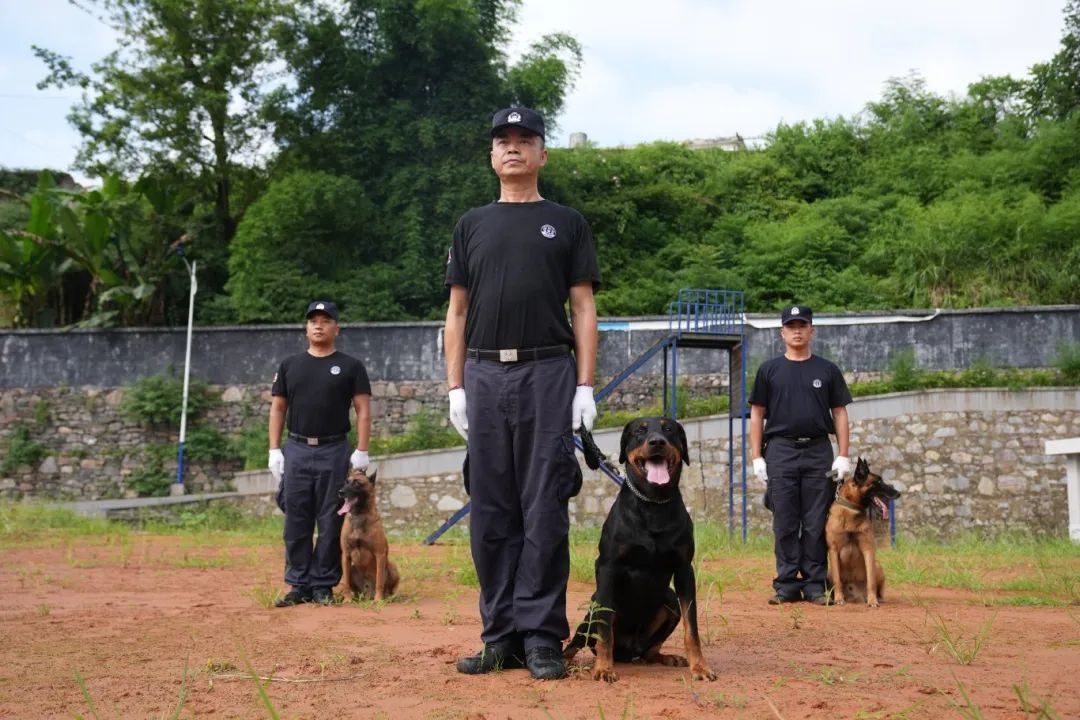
854 570
365 555
647 540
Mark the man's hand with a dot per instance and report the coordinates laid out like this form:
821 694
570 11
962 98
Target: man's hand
458 418
277 463
760 470
583 410
359 460
841 466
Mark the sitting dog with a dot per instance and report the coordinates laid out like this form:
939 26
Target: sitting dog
647 539
854 570
365 562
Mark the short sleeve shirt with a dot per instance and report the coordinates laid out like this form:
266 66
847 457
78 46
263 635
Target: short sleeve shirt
798 396
319 392
518 262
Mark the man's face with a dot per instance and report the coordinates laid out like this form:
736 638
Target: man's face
517 153
797 333
321 328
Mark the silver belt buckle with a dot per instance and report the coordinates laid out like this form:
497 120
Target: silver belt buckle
312 441
508 355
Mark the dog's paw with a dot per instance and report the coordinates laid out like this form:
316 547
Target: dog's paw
703 672
608 675
872 602
671 660
838 600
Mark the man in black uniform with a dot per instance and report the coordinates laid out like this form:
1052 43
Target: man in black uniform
512 267
313 391
798 400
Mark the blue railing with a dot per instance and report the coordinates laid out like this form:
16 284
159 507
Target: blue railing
713 312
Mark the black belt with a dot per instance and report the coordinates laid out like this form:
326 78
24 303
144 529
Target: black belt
799 441
515 355
325 440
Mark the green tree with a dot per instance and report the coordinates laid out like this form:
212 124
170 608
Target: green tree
1054 90
179 97
397 94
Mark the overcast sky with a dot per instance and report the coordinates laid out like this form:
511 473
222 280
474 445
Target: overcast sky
670 70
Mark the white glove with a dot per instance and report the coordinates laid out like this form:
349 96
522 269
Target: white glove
458 417
277 463
759 469
359 460
583 410
842 466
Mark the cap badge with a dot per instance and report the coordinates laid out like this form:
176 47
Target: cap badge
335 370
794 311
547 231
320 306
514 117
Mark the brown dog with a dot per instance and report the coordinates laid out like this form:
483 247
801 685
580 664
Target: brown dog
854 570
365 555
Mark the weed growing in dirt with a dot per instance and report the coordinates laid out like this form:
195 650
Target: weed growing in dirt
1038 708
796 616
592 609
707 636
969 710
43 611
828 675
962 650
264 597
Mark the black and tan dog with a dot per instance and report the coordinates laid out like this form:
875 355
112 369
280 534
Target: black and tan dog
365 555
647 540
854 571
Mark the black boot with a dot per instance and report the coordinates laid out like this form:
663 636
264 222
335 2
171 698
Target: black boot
494 656
546 663
296 596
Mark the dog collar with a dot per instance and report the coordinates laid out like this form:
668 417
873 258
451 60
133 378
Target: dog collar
845 503
641 496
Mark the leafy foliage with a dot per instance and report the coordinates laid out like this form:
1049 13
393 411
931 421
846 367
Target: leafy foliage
20 450
156 401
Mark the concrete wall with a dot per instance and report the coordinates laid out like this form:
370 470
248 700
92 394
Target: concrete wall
965 460
858 342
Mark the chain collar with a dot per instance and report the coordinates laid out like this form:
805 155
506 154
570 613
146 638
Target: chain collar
641 496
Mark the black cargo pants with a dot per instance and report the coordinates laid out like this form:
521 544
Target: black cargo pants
521 471
313 477
799 491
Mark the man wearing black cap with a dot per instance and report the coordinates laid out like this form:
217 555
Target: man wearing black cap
527 375
798 400
312 391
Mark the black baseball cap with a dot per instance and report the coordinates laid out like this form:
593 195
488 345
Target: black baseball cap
322 306
797 312
521 117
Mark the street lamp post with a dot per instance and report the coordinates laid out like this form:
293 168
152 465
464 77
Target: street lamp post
178 486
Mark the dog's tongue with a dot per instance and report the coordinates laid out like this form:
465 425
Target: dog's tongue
347 506
882 507
657 472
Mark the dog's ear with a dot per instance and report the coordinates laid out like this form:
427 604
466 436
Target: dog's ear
371 477
862 471
627 431
685 449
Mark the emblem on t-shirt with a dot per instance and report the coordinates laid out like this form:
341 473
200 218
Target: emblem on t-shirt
449 255
816 383
335 370
275 378
547 231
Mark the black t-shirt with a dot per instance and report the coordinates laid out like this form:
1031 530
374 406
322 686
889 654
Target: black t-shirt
319 391
798 396
518 261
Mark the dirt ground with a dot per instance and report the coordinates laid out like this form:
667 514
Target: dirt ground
128 617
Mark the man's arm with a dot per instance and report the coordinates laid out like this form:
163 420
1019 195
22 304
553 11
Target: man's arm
362 405
583 317
840 420
278 406
454 336
757 429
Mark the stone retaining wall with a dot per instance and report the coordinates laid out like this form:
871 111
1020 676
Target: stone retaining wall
959 470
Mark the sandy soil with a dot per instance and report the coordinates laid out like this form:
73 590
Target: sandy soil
128 619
